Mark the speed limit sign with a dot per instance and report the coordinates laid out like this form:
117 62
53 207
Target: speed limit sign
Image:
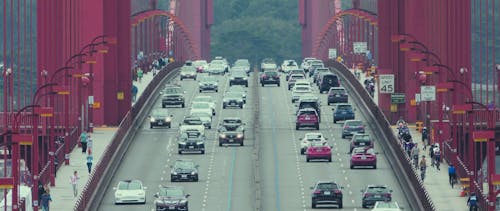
386 83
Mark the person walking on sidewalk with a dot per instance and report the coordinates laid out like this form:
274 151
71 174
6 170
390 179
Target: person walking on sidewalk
472 202
414 154
424 137
437 156
140 73
90 142
83 141
134 93
423 167
90 158
73 179
45 200
452 175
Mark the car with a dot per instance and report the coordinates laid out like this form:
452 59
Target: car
171 198
172 95
288 65
268 64
238 78
293 78
305 63
386 206
302 82
374 193
130 192
337 95
221 60
310 102
191 123
191 141
231 131
343 111
204 117
297 71
361 140
217 68
363 156
206 99
317 72
307 117
240 69
310 139
188 72
326 193
244 64
232 99
239 89
299 91
208 83
184 170
314 65
270 77
351 127
319 151
200 65
160 118
326 81
201 107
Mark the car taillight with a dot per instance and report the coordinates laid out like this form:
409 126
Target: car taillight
388 195
317 192
337 191
366 195
346 127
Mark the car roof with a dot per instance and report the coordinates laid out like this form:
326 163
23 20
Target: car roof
231 118
343 104
338 87
307 109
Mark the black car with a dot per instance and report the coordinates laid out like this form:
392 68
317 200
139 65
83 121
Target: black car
337 95
231 131
208 83
184 170
172 96
270 77
374 193
171 198
238 78
191 141
160 118
361 140
326 193
326 81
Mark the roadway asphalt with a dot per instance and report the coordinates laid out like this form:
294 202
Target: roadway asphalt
226 173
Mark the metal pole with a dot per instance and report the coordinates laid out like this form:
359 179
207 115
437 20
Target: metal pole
34 156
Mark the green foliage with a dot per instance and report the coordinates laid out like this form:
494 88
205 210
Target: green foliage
256 29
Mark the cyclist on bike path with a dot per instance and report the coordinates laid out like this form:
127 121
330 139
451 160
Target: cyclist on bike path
452 175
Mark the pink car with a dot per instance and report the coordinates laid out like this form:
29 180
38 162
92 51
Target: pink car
321 152
307 117
363 156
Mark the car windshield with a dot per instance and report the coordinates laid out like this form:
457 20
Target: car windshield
313 136
302 89
200 63
216 62
129 185
201 114
208 79
193 121
344 107
297 76
238 74
314 139
160 112
184 165
377 189
302 112
188 69
231 121
308 105
236 89
200 105
233 95
354 123
172 90
327 186
171 192
202 99
338 91
362 138
271 73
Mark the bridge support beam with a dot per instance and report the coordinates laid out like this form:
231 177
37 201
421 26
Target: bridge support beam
313 15
197 15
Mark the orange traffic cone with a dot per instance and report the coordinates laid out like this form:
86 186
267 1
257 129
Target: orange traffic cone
463 192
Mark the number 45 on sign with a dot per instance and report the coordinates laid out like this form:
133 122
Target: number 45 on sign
386 83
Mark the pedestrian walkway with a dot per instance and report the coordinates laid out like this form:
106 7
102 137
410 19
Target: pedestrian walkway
436 181
62 193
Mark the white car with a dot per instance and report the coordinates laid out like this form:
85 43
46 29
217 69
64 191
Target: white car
386 206
305 63
130 191
200 65
205 118
201 107
299 91
188 72
206 99
311 139
288 65
302 82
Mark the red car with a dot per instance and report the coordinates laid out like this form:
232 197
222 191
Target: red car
363 156
319 152
307 117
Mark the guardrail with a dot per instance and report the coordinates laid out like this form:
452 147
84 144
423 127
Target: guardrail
407 176
94 190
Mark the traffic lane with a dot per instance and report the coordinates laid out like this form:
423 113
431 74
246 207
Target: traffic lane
152 147
280 176
217 188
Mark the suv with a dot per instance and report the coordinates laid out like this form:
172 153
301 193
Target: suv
270 77
375 193
317 72
172 95
326 192
191 141
310 103
343 111
268 64
231 131
184 170
160 118
188 72
238 78
326 81
337 95
307 117
171 198
361 140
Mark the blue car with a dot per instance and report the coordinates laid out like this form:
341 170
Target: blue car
343 111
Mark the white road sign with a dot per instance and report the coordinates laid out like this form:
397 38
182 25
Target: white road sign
386 83
427 93
332 53
359 47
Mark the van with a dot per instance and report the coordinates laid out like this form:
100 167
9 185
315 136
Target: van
326 81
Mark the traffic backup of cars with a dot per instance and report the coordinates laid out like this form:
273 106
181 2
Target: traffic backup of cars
206 123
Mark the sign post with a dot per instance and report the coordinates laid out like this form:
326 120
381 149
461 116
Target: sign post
428 93
359 47
386 85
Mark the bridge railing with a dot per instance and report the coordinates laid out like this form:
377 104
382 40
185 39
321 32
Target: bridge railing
96 186
405 173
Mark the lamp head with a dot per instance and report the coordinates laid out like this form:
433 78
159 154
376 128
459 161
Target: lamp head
498 67
8 71
463 70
